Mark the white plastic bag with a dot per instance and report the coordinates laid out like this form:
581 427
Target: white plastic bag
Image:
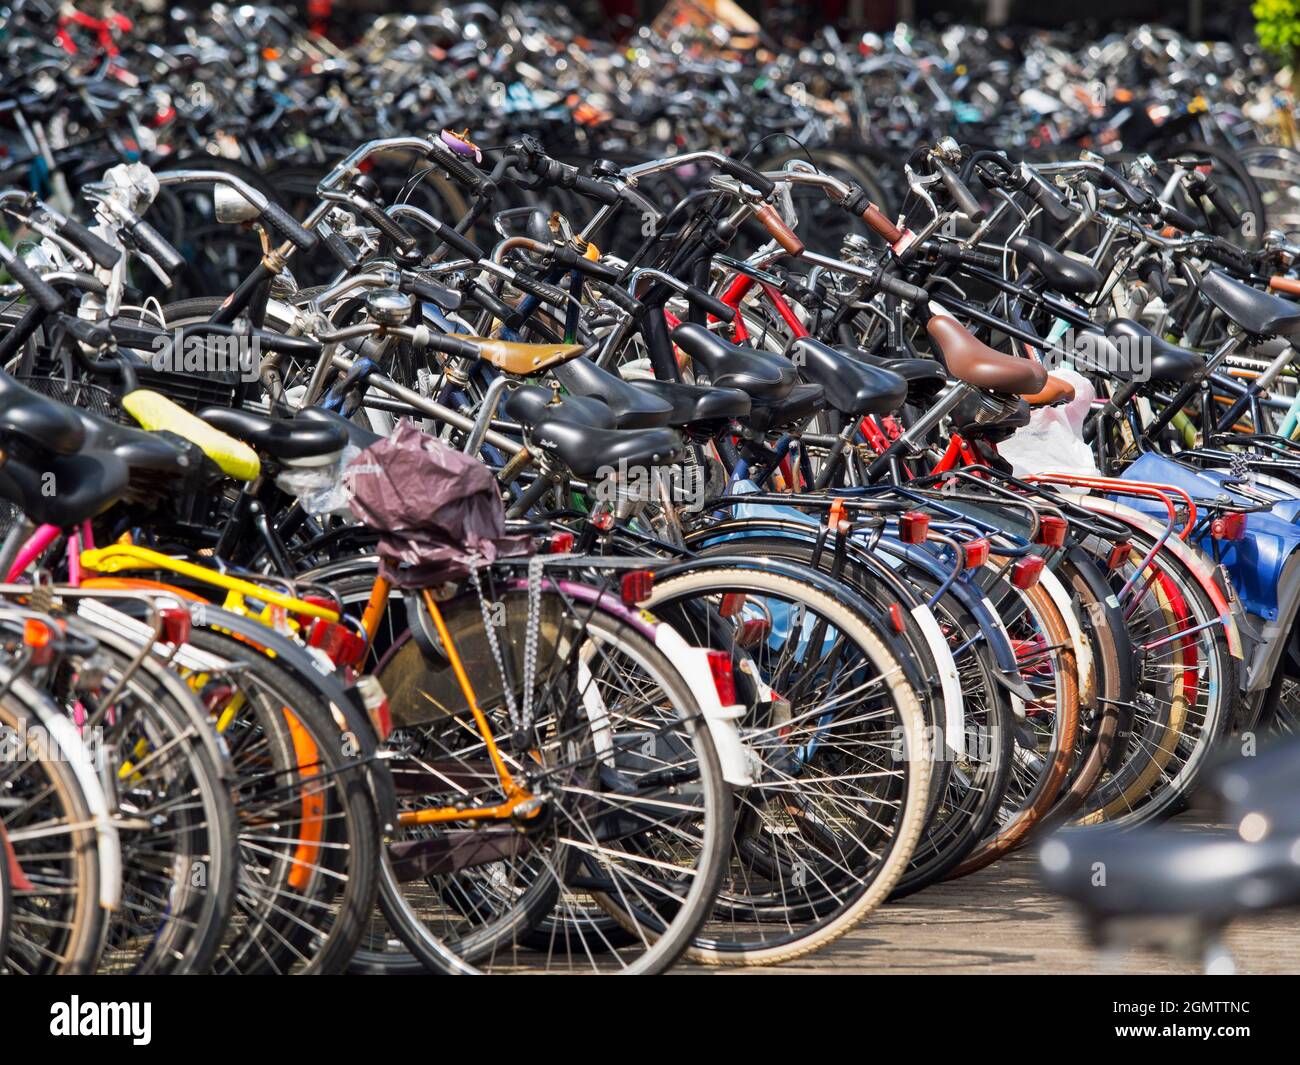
1053 442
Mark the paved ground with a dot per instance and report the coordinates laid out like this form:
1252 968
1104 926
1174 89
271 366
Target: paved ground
1001 921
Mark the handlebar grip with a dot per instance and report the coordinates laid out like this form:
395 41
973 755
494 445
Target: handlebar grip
1044 194
461 243
338 247
388 226
595 190
957 254
773 222
100 251
157 246
896 286
45 296
1154 276
459 169
1228 256
875 218
1177 219
461 349
288 227
710 304
751 177
1135 196
961 195
1222 204
1289 285
624 299
569 257
540 289
91 334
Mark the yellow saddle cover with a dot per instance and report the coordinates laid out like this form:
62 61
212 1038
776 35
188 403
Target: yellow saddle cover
157 413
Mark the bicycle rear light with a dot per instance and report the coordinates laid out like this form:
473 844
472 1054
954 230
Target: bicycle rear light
636 587
914 527
1026 571
975 553
1229 527
1051 530
724 677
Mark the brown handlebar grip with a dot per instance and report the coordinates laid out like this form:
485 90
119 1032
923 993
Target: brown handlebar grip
1289 285
875 218
781 233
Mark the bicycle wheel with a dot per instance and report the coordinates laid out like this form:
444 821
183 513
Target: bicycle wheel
55 925
173 809
1185 688
1047 736
633 816
308 829
831 821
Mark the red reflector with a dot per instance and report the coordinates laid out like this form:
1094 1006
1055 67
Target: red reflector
636 586
561 543
976 553
1229 527
176 625
344 647
1119 555
732 604
724 680
1026 571
604 521
1051 530
914 527
896 616
753 632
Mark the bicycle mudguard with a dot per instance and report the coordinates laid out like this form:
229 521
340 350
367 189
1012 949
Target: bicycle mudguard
157 413
1202 570
739 766
926 623
344 702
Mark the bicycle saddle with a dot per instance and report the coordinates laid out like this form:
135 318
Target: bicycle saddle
1263 784
358 436
851 387
1056 391
974 362
1211 874
282 439
531 403
1060 271
802 402
86 484
760 374
45 423
697 404
522 360
1140 350
633 407
925 377
588 451
1256 312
